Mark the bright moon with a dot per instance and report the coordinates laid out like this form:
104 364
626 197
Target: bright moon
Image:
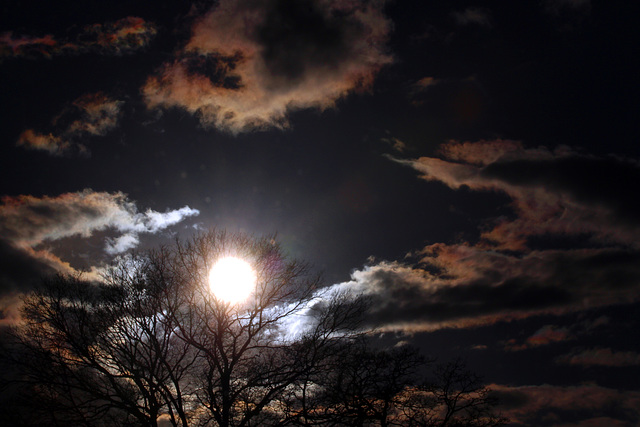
232 280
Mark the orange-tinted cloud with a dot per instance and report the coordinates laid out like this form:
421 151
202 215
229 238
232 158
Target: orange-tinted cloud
249 64
90 115
124 36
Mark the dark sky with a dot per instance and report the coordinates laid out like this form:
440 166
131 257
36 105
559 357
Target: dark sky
471 166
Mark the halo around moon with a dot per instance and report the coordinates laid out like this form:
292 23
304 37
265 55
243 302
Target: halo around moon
232 280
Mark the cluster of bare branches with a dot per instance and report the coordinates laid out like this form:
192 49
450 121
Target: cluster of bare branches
150 345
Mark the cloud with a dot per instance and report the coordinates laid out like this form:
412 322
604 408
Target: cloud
601 357
250 63
397 144
584 405
544 336
90 115
473 16
124 36
560 192
424 84
464 286
28 224
570 243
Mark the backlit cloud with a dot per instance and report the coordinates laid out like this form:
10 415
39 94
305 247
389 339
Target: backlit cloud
90 115
250 63
29 225
28 222
519 266
113 38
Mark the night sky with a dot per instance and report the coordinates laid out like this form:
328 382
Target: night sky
472 167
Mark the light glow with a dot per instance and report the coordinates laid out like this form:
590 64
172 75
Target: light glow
232 280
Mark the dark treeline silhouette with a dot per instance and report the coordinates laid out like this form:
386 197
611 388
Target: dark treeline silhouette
150 345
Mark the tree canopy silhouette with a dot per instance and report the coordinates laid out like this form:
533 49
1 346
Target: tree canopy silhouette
151 344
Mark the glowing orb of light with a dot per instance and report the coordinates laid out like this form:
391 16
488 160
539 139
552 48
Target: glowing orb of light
232 280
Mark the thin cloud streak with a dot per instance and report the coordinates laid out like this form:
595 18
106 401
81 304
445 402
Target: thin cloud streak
600 357
121 37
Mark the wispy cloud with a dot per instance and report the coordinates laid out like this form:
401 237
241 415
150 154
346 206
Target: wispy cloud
29 225
519 266
249 64
601 357
124 36
28 222
90 115
544 336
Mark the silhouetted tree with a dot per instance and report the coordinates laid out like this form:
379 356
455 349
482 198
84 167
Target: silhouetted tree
452 396
362 386
152 341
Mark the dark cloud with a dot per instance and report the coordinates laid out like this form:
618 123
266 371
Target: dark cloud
471 286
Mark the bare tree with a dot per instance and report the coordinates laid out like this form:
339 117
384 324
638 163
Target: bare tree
151 341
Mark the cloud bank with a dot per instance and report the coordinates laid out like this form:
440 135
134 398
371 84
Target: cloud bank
249 63
570 243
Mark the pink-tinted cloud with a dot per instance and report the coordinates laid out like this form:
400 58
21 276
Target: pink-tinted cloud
601 357
90 115
250 63
582 405
124 36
